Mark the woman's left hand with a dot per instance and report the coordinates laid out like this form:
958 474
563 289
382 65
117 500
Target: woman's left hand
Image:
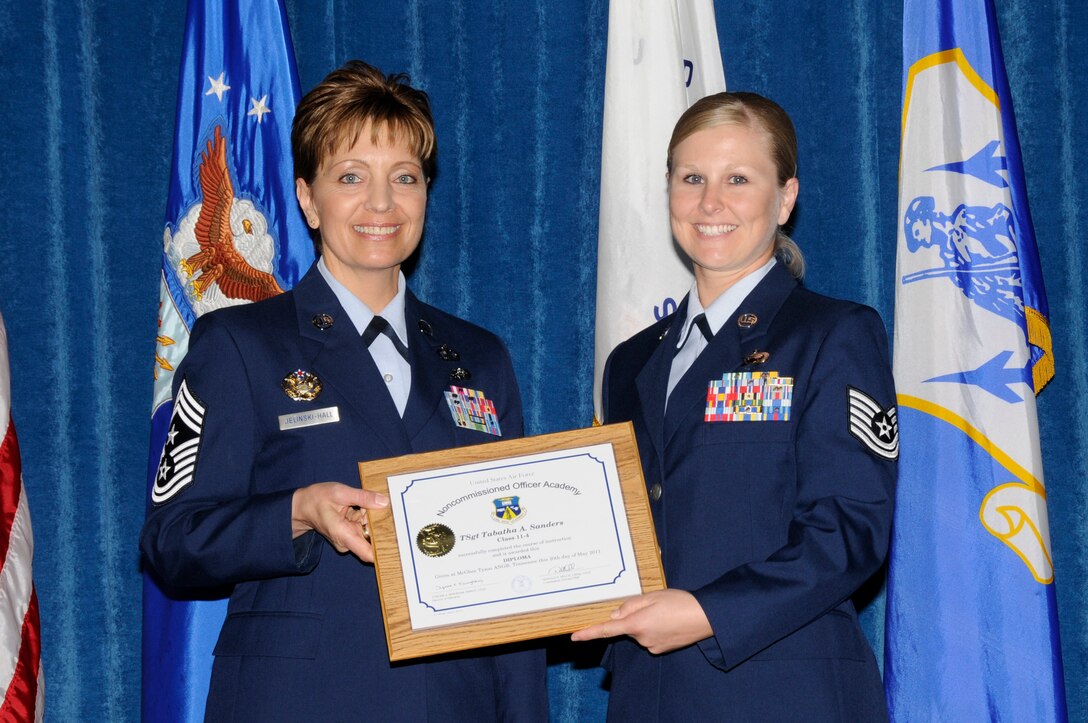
659 621
338 513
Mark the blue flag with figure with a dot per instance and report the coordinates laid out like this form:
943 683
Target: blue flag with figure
971 627
234 234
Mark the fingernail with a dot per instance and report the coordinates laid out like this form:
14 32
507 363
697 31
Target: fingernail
382 500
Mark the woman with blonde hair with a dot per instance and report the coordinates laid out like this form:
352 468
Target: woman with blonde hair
765 421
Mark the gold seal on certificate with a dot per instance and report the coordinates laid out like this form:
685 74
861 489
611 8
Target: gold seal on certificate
435 540
510 540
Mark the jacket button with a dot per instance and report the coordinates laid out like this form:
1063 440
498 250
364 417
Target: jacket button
655 492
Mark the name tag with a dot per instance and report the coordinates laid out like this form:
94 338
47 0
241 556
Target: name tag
310 418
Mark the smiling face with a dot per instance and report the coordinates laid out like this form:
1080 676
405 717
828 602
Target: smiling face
368 202
726 205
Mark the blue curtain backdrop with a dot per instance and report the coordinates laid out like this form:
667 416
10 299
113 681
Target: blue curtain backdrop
87 126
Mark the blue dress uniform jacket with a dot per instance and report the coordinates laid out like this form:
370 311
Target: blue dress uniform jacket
772 525
303 639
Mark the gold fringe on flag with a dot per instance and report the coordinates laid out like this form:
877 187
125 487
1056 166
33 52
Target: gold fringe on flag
1039 335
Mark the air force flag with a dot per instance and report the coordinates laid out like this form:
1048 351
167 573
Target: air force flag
971 627
233 235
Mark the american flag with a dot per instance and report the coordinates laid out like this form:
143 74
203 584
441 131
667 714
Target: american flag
21 684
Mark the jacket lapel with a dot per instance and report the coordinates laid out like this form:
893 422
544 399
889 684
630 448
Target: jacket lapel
430 373
340 360
653 380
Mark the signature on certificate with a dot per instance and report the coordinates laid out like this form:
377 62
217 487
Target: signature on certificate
561 568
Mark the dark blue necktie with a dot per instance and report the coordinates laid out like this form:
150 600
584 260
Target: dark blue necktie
378 325
704 326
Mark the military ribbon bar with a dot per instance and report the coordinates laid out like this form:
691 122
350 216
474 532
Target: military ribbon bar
749 397
472 410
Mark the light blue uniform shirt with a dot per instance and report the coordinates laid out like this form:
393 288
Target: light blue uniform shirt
394 368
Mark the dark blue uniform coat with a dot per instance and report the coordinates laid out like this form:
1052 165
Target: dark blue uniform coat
303 639
772 525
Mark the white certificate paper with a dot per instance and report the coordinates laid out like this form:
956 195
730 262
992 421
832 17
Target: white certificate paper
517 535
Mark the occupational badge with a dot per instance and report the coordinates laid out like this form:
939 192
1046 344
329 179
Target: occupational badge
435 539
749 397
178 461
447 353
507 509
873 426
472 410
756 357
302 386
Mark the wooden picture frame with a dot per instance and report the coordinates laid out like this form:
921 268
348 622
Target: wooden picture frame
405 642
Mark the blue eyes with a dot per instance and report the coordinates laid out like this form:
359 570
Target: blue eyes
696 179
403 179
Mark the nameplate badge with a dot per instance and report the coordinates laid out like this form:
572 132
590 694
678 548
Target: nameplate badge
310 418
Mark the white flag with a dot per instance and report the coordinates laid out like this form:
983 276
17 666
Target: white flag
662 56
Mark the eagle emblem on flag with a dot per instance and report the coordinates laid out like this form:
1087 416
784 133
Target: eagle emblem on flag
218 261
221 251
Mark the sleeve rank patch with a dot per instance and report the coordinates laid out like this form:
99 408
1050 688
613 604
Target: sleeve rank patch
876 428
178 461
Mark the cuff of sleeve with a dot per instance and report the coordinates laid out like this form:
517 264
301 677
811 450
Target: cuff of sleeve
713 652
307 552
710 647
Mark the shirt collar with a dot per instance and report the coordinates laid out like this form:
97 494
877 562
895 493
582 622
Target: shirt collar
359 313
722 307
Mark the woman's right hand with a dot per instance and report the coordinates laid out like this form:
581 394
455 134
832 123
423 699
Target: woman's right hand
660 621
338 513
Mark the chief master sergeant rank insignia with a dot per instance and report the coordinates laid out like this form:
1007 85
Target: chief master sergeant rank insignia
178 461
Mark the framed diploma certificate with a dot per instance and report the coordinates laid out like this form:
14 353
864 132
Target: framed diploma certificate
510 540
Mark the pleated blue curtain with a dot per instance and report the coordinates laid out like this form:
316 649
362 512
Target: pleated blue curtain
517 87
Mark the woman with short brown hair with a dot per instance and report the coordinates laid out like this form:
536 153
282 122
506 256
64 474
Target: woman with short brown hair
279 401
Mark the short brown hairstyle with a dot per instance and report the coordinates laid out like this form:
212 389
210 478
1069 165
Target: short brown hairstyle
334 113
756 112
